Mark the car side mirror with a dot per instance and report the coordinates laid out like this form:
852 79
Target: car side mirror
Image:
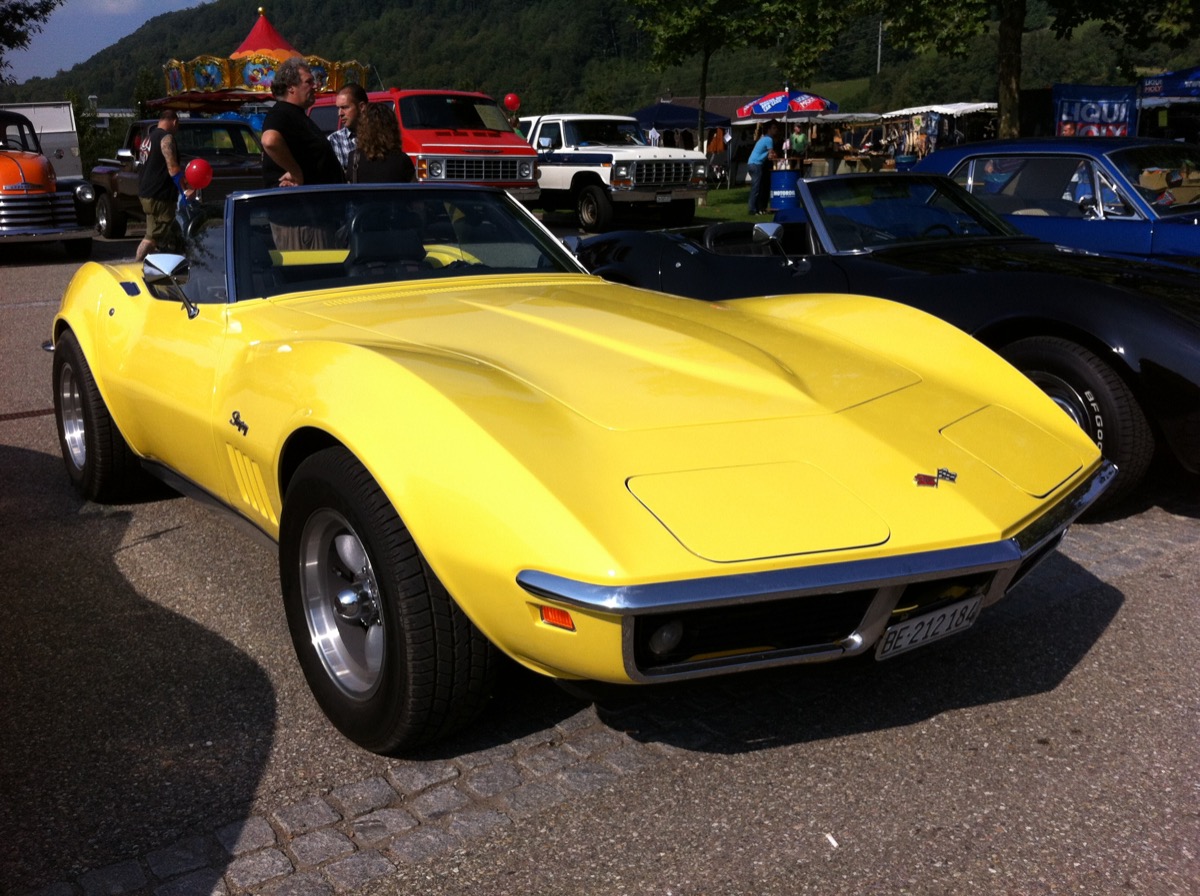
766 232
1089 207
165 269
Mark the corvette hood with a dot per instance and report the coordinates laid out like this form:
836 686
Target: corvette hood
591 346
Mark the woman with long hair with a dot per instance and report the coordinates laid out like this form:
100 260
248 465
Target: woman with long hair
378 157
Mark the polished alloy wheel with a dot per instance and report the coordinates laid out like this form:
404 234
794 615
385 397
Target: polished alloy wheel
71 409
341 603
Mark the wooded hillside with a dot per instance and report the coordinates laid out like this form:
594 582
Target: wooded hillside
565 55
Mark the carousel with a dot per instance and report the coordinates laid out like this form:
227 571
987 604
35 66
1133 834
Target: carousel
224 84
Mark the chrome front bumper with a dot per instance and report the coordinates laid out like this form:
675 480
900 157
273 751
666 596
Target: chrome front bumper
855 598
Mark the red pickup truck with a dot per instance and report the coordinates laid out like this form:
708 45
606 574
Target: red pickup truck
453 136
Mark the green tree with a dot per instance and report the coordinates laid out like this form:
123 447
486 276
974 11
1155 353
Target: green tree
20 19
947 26
682 29
94 142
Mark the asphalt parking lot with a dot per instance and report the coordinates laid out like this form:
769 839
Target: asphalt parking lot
158 738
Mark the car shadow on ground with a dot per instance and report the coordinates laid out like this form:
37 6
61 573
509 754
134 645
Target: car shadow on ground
1025 645
126 727
1167 485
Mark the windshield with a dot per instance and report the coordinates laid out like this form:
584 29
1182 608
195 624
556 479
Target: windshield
432 110
1167 174
217 140
604 132
339 237
16 134
861 213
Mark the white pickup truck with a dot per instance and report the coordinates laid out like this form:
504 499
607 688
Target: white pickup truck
596 164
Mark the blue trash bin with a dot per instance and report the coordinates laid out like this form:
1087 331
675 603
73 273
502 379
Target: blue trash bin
783 189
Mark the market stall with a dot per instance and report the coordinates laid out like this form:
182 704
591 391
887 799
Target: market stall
1169 105
917 131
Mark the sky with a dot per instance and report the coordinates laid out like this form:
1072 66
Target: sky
79 29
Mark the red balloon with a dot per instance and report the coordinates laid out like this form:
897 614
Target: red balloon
512 102
199 174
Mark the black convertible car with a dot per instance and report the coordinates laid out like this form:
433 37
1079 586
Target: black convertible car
1116 343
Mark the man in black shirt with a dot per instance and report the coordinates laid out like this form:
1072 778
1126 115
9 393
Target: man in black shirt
160 181
296 151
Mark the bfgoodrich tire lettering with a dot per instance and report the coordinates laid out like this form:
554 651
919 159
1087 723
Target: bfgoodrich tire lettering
390 657
1096 397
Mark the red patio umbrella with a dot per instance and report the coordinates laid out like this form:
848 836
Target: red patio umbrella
783 102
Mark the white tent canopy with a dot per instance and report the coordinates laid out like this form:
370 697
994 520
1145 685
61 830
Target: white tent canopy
943 109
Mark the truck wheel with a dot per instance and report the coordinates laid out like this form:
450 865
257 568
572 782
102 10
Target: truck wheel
110 223
594 209
679 213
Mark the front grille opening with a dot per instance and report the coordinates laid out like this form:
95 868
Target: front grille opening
661 174
924 597
721 635
483 170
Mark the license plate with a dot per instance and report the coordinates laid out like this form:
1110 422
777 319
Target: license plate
921 630
663 197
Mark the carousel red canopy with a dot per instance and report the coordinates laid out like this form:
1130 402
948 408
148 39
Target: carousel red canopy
223 83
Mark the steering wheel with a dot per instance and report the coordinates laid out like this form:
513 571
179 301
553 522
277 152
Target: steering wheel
934 229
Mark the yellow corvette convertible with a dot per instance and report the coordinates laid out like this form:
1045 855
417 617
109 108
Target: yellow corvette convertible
462 442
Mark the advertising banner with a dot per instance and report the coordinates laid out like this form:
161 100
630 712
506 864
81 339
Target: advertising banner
1087 111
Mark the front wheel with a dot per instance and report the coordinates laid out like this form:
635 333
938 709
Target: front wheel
100 463
1096 398
594 209
390 657
110 223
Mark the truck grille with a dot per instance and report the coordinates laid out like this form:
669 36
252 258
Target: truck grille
483 170
661 174
37 210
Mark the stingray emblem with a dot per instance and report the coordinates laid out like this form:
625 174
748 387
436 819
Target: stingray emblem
931 481
238 423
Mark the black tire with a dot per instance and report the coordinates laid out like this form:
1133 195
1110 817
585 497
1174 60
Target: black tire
1095 397
679 213
110 223
78 250
100 463
390 657
594 209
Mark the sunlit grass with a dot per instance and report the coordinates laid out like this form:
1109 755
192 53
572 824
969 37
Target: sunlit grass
725 205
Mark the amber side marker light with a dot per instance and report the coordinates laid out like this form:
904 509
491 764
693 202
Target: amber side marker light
556 617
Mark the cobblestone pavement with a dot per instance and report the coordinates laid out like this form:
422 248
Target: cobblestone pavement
339 840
